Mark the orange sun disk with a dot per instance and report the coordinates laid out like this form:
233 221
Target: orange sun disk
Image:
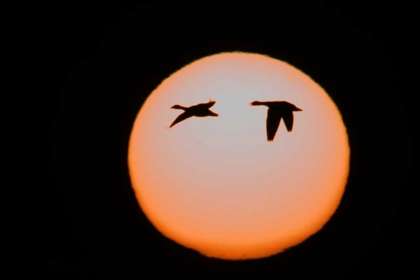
214 184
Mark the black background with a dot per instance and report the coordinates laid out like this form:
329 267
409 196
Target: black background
105 59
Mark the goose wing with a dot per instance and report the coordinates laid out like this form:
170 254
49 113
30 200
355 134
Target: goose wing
207 105
288 120
272 123
180 118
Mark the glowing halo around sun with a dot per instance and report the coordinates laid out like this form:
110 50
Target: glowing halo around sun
214 184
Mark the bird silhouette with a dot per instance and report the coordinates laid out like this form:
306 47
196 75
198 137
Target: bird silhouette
277 110
199 110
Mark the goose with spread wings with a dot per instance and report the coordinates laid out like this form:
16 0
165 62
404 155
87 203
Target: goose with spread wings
199 110
277 110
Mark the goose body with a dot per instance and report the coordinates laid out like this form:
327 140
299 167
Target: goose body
277 110
199 110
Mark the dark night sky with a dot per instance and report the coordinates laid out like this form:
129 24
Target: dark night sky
105 60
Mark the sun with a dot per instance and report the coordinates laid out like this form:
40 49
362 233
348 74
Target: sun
215 184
